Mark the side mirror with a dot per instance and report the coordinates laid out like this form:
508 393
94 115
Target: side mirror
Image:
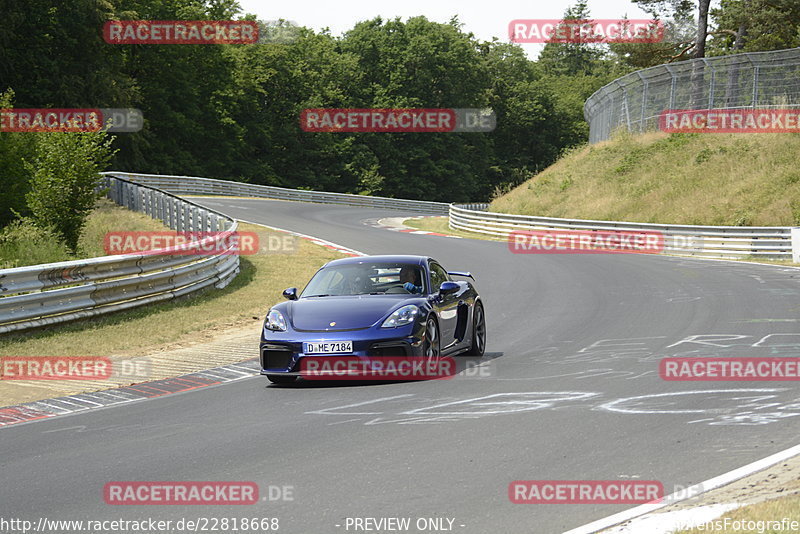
448 287
290 293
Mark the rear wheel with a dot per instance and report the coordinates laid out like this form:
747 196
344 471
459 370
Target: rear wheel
281 379
478 332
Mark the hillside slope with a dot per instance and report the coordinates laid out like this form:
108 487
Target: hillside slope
709 179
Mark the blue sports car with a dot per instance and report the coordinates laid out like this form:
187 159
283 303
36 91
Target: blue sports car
373 306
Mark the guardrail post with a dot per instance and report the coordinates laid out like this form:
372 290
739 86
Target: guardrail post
796 244
178 215
160 206
187 217
171 212
113 190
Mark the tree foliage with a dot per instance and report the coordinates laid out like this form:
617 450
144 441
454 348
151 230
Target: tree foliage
64 180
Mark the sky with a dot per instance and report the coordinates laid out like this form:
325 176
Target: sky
484 19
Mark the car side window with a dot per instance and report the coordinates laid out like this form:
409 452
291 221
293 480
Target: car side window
438 275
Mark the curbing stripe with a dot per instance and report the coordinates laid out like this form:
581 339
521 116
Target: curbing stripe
39 410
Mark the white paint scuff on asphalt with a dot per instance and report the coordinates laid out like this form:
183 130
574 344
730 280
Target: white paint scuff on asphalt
667 522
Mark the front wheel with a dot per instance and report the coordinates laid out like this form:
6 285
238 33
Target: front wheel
478 345
432 345
281 379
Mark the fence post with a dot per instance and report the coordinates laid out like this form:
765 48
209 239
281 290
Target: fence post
711 84
644 100
755 86
796 244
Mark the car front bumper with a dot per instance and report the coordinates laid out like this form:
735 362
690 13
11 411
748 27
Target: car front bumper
281 352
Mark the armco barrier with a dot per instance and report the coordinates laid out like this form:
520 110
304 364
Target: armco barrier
707 241
190 185
39 295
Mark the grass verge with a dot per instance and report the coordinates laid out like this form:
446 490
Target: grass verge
764 518
244 302
696 179
22 243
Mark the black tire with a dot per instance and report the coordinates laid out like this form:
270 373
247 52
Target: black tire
281 379
478 346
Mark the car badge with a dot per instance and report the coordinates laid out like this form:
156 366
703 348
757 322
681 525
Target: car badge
333 323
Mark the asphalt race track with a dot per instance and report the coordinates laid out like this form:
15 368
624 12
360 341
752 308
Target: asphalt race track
569 391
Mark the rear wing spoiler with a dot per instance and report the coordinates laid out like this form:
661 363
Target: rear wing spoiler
460 273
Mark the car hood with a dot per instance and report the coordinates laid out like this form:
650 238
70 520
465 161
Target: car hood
346 312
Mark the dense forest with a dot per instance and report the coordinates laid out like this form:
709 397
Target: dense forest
231 111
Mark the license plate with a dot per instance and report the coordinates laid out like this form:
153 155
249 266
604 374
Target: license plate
328 347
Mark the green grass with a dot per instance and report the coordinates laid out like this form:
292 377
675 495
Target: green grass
772 510
109 217
22 243
244 302
698 179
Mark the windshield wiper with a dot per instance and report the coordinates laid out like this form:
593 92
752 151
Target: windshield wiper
326 295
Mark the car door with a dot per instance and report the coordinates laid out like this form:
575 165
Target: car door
446 306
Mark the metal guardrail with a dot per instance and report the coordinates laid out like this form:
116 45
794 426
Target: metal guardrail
191 185
701 241
40 295
750 80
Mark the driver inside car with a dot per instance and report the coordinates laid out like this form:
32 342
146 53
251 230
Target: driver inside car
409 277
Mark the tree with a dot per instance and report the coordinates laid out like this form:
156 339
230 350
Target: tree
572 58
64 180
15 149
755 25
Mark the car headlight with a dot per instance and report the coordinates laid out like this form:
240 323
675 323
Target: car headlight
401 317
275 321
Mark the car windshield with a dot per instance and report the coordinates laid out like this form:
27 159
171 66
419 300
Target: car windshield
366 279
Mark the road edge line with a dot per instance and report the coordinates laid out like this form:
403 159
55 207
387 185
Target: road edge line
687 493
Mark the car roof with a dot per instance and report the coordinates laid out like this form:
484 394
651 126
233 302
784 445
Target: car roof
409 259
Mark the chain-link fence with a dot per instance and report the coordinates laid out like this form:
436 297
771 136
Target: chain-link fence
751 80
